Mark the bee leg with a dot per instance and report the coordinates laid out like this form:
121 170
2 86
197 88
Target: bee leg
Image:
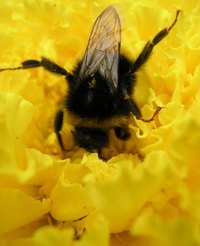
147 50
99 152
127 103
52 67
100 155
45 63
122 132
58 127
153 116
135 110
24 65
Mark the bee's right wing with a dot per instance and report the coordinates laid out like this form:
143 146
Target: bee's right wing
103 50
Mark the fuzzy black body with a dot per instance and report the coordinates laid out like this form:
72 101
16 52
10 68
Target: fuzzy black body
90 99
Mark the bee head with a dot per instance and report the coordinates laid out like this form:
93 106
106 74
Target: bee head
91 139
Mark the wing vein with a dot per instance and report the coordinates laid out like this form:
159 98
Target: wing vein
103 49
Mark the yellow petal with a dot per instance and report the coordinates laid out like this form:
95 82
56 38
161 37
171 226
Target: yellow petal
177 231
48 236
18 209
69 201
15 115
121 196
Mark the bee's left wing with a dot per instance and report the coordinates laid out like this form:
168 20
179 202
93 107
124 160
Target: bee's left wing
102 53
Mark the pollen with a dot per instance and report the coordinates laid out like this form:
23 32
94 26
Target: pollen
92 83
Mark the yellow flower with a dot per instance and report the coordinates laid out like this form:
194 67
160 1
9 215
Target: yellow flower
148 193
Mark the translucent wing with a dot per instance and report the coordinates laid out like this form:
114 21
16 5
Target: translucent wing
102 53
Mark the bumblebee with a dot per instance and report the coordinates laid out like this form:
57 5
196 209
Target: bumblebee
100 85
